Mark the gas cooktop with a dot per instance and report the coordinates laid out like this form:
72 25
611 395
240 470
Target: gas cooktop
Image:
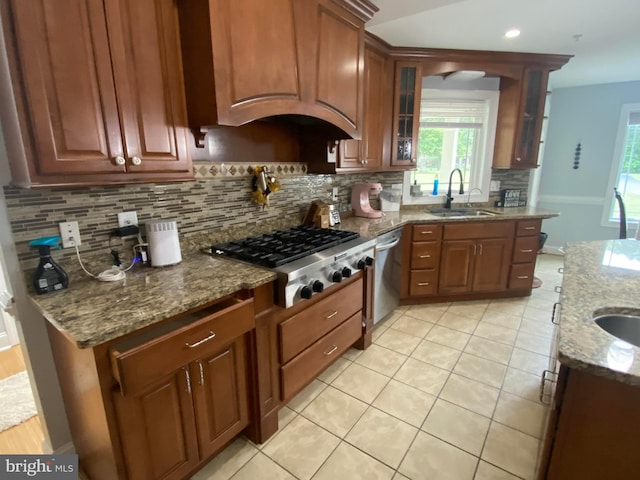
284 246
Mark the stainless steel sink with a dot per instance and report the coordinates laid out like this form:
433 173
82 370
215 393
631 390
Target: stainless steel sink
460 212
625 327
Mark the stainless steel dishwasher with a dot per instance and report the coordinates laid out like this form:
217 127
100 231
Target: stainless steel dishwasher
387 274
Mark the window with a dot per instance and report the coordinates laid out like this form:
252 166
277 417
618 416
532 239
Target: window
625 174
457 130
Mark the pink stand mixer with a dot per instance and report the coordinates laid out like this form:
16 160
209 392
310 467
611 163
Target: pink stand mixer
360 193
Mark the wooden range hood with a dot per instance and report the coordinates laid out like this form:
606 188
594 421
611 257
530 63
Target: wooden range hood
292 61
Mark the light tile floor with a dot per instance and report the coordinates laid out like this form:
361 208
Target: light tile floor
446 391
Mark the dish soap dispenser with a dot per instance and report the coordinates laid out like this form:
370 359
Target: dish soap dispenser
435 186
49 276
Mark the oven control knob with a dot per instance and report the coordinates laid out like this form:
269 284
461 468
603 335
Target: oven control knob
306 292
346 272
336 277
317 286
365 262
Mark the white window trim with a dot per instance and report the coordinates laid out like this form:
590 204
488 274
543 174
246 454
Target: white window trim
493 97
621 140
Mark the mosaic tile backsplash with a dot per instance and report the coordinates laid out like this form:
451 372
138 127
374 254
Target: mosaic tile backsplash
219 198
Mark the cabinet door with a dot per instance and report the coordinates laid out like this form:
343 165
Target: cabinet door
376 98
220 395
491 265
406 114
158 430
532 110
67 85
335 61
456 266
349 154
147 70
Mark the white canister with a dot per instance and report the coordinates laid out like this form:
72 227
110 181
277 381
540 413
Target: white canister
164 245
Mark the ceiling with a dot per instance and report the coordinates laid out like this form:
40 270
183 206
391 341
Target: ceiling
603 35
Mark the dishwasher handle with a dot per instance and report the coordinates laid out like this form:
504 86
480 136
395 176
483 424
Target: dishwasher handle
388 245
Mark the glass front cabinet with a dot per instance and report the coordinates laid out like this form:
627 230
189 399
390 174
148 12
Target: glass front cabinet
406 113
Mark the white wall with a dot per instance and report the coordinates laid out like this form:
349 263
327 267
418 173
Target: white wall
588 114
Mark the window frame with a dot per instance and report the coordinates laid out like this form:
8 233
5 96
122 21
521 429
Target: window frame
616 164
492 97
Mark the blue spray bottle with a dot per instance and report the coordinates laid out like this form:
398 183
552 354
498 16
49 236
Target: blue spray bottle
49 277
435 186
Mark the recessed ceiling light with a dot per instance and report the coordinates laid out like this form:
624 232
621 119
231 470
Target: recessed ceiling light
512 33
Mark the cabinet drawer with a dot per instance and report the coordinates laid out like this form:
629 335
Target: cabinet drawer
425 254
301 330
526 228
492 229
423 282
306 366
426 232
521 276
140 359
525 250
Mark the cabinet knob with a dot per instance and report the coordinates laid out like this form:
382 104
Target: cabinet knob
119 160
413 160
136 161
518 159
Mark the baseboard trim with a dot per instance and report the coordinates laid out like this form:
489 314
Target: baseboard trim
553 250
66 449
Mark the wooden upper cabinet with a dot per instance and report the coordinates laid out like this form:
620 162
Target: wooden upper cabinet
245 60
520 119
367 154
98 91
406 114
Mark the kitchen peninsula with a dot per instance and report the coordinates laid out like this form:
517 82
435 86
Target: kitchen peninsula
592 428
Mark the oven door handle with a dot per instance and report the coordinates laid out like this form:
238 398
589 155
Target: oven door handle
387 246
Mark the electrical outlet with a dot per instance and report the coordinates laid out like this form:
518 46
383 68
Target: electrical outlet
495 185
126 219
70 234
334 194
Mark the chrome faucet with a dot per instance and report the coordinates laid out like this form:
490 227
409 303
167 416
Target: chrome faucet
469 195
449 197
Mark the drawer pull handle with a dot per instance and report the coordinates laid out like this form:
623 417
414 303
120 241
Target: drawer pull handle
201 372
331 315
423 284
200 342
529 228
526 251
428 232
553 314
543 396
425 256
523 277
335 347
186 374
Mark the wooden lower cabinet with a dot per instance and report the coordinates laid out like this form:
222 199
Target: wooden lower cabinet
469 266
593 433
159 429
468 260
162 401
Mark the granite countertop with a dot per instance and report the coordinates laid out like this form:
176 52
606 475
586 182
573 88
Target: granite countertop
91 312
369 227
600 277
